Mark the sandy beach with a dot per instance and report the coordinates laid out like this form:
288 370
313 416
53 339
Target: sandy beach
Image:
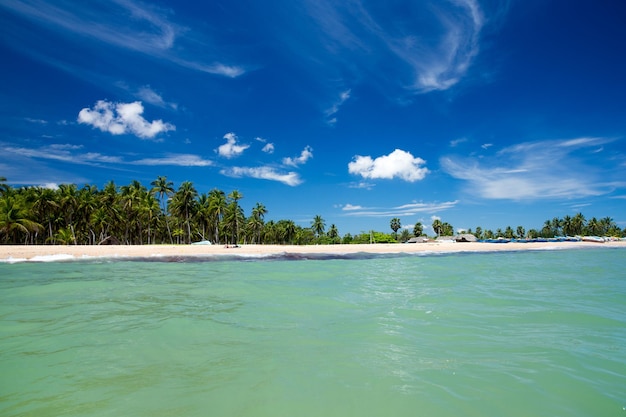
10 253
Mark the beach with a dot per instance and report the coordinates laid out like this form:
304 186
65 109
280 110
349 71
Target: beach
44 252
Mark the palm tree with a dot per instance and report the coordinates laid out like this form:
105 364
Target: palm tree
183 204
418 229
437 226
395 226
4 187
234 215
217 206
566 224
45 206
578 224
521 232
14 219
163 188
69 204
256 221
318 225
333 233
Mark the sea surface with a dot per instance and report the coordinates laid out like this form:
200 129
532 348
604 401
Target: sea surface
539 333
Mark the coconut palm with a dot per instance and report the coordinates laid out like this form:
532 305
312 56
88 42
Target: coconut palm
256 220
162 188
418 229
217 206
184 203
318 225
234 216
45 206
578 224
4 187
69 203
14 219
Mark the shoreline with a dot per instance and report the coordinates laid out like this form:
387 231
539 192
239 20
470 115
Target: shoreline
42 253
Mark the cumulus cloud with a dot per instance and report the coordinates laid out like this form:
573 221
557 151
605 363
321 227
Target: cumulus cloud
231 148
536 170
305 155
398 164
264 173
268 147
122 118
350 207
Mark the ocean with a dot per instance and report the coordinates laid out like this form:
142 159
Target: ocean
539 333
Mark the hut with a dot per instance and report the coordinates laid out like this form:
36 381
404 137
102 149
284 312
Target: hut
465 237
418 239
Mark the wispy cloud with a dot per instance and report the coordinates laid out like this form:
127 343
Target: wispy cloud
265 173
122 118
231 148
125 24
410 209
429 47
147 94
181 160
60 152
268 147
398 164
74 154
332 111
537 170
305 155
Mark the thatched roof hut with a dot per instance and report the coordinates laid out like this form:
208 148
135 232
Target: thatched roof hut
418 239
465 237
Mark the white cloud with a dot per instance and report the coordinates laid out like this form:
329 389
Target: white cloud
410 209
122 118
148 95
537 170
182 160
454 143
126 24
330 112
398 164
264 173
350 207
268 147
231 149
61 152
419 56
305 155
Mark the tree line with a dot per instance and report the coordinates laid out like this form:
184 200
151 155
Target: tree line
576 225
134 214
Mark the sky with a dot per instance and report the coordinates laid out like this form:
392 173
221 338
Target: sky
478 113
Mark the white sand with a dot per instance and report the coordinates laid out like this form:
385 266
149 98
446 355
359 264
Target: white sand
29 252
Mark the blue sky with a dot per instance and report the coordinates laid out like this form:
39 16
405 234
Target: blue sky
480 113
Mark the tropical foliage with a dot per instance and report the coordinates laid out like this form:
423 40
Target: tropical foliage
133 214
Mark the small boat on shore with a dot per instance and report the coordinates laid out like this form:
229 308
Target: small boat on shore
596 239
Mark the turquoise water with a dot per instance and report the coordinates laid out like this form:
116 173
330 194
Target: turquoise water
500 334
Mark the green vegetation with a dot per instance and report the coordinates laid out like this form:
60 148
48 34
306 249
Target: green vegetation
135 215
